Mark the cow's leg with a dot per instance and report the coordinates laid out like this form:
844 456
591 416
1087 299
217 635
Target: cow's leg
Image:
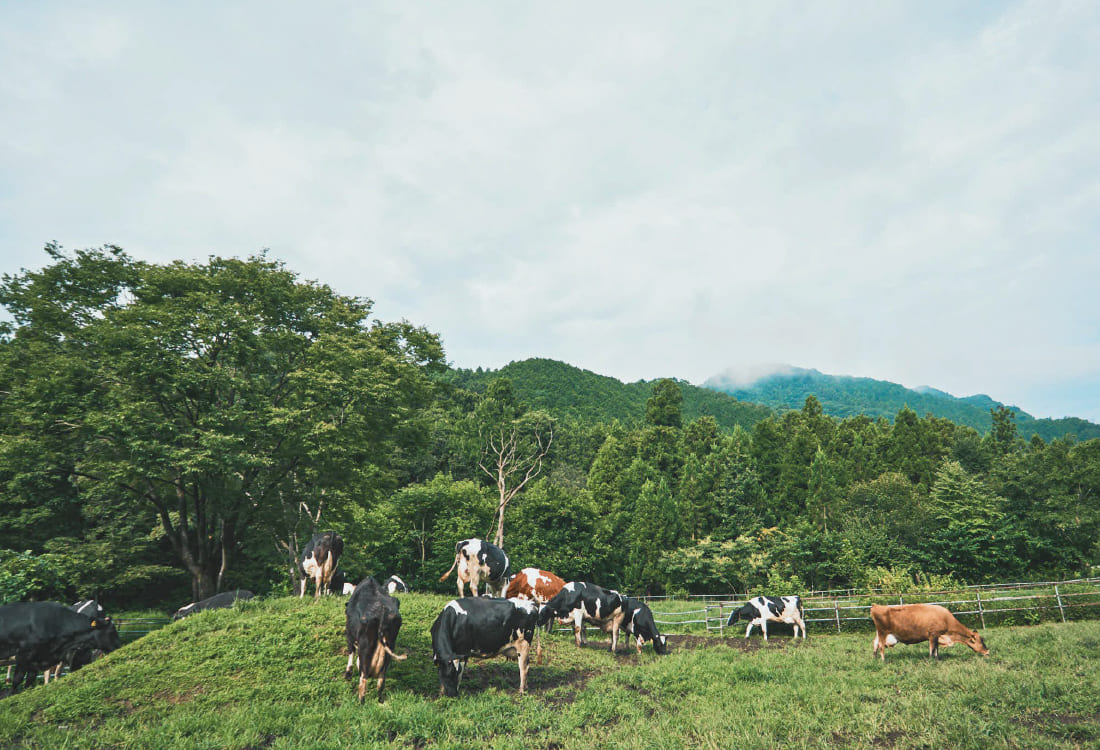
639 642
475 581
875 647
523 648
764 627
614 635
347 670
302 592
934 644
749 628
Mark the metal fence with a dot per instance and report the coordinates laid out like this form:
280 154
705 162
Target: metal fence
997 604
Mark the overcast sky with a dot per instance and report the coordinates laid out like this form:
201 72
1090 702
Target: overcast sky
902 191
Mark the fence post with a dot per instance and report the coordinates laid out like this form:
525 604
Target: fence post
1058 596
981 612
721 621
836 609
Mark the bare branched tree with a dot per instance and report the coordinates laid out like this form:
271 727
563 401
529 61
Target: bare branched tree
512 455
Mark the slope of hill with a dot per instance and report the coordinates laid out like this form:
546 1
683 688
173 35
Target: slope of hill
847 396
564 390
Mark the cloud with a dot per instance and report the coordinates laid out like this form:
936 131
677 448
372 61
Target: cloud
644 190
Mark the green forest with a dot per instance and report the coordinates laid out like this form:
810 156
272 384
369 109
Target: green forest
171 430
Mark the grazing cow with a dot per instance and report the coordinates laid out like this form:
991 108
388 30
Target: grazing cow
582 602
481 628
539 586
373 618
395 585
763 609
638 621
916 623
339 584
319 561
223 600
477 560
40 634
91 609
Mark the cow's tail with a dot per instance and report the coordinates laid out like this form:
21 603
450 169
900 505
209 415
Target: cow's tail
444 576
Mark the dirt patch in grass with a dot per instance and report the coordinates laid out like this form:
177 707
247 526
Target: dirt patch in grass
847 739
1076 727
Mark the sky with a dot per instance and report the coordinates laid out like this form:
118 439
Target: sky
902 191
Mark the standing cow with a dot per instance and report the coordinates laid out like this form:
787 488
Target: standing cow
373 618
319 561
917 623
582 602
40 634
91 609
477 560
764 609
480 628
539 586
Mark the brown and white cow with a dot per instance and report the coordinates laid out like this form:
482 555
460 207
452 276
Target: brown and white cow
319 561
916 623
532 584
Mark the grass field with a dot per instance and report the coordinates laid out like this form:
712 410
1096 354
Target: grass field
270 674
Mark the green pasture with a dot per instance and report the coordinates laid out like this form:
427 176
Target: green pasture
270 675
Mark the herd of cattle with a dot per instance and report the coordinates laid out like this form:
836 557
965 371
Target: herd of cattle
45 636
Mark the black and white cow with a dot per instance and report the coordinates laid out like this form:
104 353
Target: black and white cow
373 618
762 609
38 635
480 628
319 561
223 600
395 585
339 584
477 560
91 609
638 621
579 602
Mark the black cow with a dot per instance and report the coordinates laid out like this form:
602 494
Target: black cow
339 584
373 618
638 621
395 585
41 634
223 600
581 602
319 561
480 628
763 609
476 560
91 609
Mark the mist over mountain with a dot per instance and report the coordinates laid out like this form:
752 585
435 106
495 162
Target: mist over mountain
784 387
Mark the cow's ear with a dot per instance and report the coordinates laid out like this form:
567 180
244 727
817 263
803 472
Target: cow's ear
94 623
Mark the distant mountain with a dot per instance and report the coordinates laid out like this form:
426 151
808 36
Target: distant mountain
565 390
847 396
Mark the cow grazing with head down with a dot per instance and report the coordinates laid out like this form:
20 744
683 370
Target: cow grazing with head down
477 560
638 622
319 560
395 585
580 602
480 628
91 609
373 618
916 623
223 600
38 635
764 609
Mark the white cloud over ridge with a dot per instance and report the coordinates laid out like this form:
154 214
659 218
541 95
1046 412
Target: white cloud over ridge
900 191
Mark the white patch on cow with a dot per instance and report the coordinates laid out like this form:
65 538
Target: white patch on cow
349 588
523 604
571 586
453 604
891 640
457 663
473 548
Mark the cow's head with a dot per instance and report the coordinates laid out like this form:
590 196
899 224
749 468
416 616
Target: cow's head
450 674
106 634
660 644
976 642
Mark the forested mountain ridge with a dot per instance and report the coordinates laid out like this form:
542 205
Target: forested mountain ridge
848 396
565 390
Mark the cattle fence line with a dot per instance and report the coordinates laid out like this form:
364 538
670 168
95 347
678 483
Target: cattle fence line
1007 604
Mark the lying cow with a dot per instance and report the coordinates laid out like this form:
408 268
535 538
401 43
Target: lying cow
916 623
481 628
373 618
319 561
539 586
638 621
477 560
223 600
395 585
579 602
40 634
764 609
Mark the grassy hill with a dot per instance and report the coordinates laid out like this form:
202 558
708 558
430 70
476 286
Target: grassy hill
846 396
270 675
564 390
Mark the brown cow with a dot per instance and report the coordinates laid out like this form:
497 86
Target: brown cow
916 623
539 586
